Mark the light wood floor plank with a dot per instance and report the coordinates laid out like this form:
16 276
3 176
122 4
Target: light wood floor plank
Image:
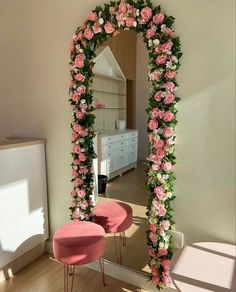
45 275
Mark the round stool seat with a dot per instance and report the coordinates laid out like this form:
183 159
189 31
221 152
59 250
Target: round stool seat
114 217
79 243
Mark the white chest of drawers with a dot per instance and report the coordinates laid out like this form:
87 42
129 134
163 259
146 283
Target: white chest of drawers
117 152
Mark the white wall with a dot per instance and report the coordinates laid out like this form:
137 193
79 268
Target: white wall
34 42
205 186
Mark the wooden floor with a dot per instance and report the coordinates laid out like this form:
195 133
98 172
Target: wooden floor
45 275
131 189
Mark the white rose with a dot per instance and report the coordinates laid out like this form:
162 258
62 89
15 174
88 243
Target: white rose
134 23
161 244
169 194
137 12
83 101
81 51
100 21
150 43
156 42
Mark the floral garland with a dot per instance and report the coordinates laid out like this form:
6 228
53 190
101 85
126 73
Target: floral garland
164 53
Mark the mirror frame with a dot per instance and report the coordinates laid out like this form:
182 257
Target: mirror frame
164 53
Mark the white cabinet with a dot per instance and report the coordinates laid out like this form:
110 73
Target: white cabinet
117 152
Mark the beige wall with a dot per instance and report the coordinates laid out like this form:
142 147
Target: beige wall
34 41
205 186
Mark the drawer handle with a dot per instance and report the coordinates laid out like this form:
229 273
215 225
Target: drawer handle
109 146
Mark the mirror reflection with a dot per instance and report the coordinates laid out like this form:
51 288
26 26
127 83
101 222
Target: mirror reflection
120 167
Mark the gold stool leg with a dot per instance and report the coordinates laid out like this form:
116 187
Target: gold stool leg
66 271
101 262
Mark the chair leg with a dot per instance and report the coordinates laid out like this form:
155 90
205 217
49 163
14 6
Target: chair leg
121 249
101 262
66 272
117 251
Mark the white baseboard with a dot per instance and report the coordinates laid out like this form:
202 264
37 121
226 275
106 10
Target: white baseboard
122 273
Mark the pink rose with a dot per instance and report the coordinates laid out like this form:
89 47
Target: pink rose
79 115
81 193
169 98
160 153
129 22
167 46
109 27
74 173
159 208
79 62
167 166
150 33
155 280
161 114
165 264
168 131
162 252
151 252
81 90
73 193
74 136
155 75
167 30
155 167
146 14
83 170
170 74
96 28
77 128
78 181
158 95
84 205
80 77
153 228
155 113
122 8
153 124
112 10
93 16
160 193
161 60
158 143
120 19
76 149
154 270
78 37
170 142
76 161
76 214
153 237
173 59
168 116
165 224
154 158
75 97
158 18
82 157
169 86
88 33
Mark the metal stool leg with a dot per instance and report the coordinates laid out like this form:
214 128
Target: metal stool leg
117 256
101 262
72 274
66 271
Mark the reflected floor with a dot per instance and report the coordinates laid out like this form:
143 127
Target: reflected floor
130 188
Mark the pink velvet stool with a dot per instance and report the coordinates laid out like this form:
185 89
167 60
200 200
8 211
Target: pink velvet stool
114 217
78 243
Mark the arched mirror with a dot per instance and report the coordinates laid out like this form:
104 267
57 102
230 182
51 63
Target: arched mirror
123 156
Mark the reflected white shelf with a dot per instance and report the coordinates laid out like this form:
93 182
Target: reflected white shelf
108 92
